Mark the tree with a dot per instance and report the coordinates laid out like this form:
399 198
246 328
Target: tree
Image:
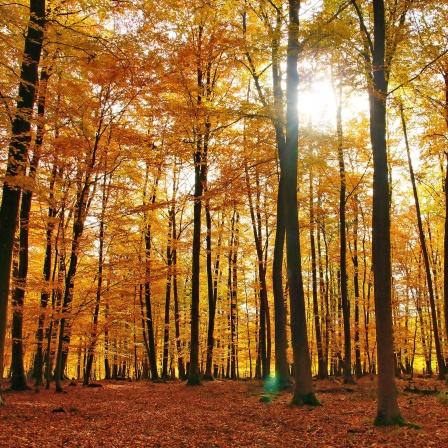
107 180
423 244
18 377
388 411
348 378
304 391
17 156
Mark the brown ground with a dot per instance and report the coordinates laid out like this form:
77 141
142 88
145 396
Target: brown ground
217 414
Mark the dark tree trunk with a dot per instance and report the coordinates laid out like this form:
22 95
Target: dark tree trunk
212 290
324 289
304 390
17 157
56 300
107 373
445 236
200 180
169 261
199 168
388 411
149 320
348 377
64 324
19 382
358 367
321 364
281 342
265 338
81 208
46 275
233 292
99 288
180 356
421 233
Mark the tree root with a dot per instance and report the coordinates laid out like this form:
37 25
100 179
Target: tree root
381 420
309 399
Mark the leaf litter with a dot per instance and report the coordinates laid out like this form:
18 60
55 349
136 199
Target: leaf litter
217 414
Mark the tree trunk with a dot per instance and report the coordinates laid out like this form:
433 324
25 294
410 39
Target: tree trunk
387 406
445 236
265 338
233 292
358 367
99 288
169 261
17 157
421 233
304 390
281 343
180 356
321 364
348 377
46 275
147 285
213 291
200 180
64 324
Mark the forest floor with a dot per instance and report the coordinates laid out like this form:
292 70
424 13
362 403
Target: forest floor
218 414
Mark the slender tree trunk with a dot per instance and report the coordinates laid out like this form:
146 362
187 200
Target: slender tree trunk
281 363
323 290
321 365
56 301
17 157
99 288
304 390
169 260
213 293
280 341
46 275
200 169
445 236
358 367
348 377
429 282
180 356
107 374
64 324
388 411
147 286
18 380
194 374
233 265
265 338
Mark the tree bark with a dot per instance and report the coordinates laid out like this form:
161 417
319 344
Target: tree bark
147 285
304 390
169 261
321 364
199 168
348 377
421 233
388 411
99 287
212 290
445 236
18 377
17 156
358 367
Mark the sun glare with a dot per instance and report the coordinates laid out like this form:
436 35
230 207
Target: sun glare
318 106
